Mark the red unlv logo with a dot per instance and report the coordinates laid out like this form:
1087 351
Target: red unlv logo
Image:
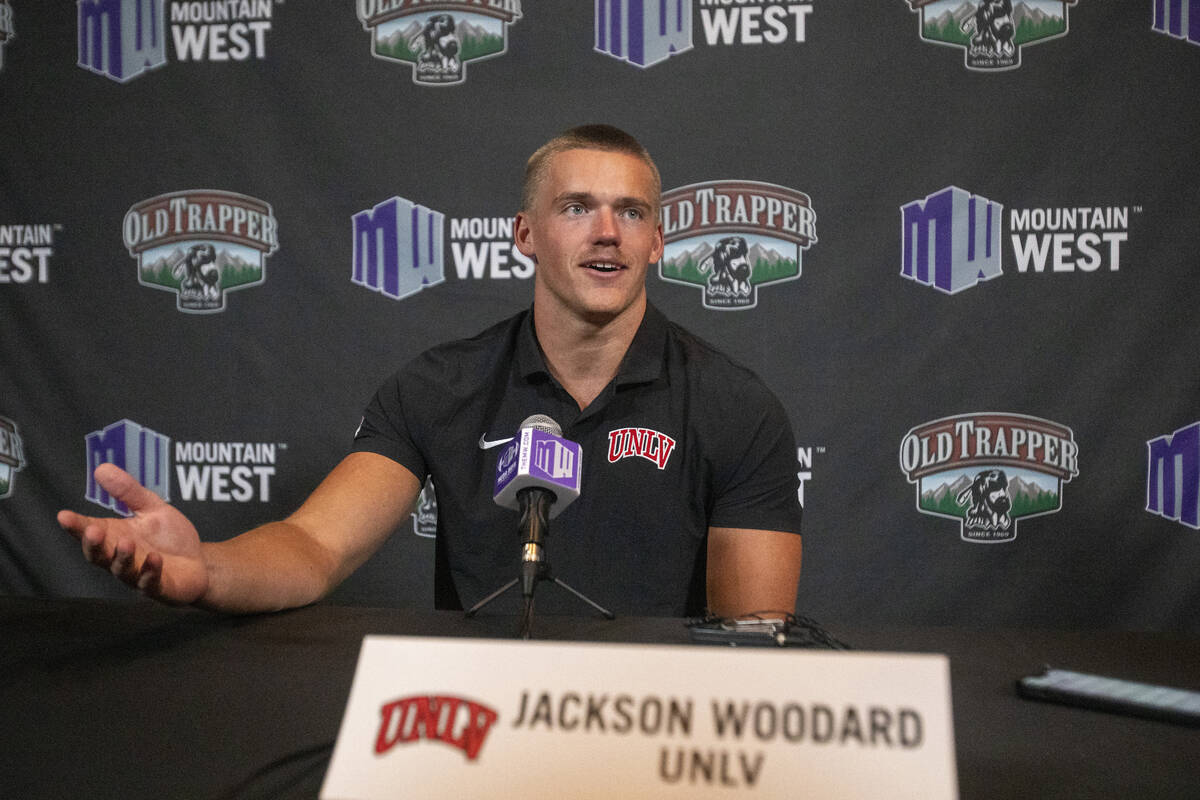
457 722
649 444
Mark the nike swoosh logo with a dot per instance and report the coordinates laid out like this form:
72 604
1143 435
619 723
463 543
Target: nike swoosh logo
484 444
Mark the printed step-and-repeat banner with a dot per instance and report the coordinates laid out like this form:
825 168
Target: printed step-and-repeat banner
970 227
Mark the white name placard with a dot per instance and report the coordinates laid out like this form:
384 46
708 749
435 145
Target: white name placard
471 718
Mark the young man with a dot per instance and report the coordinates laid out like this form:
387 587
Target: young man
689 492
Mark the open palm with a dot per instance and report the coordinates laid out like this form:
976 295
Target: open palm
157 550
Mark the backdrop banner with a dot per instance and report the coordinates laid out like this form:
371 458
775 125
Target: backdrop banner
970 226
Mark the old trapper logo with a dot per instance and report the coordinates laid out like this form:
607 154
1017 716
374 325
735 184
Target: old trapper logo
728 238
438 38
989 470
12 455
201 244
991 32
424 514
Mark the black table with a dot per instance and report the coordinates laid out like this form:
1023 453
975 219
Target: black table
136 700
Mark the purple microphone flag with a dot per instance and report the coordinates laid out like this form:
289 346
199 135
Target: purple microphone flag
537 458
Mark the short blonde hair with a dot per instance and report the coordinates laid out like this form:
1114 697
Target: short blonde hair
584 137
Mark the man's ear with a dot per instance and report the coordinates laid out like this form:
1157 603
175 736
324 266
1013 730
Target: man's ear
523 235
656 251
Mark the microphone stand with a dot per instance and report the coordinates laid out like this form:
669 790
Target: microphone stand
535 568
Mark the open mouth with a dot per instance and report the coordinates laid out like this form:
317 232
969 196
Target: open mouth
604 266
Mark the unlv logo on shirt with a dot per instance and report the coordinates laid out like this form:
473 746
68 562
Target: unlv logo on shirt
649 444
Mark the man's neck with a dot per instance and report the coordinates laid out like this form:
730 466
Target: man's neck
584 355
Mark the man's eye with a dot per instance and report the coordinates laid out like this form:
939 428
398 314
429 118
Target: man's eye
575 209
633 213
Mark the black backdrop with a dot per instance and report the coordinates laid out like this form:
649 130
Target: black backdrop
1080 139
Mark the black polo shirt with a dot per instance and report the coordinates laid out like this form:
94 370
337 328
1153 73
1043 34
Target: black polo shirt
681 439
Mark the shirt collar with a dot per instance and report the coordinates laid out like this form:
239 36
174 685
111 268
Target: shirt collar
643 361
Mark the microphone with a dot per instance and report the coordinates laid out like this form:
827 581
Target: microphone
539 475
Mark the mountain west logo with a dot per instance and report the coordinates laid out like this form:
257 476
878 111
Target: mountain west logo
201 244
804 457
992 32
12 455
647 32
727 238
139 451
25 252
6 30
438 37
123 39
951 240
1173 476
399 248
220 471
989 470
643 32
1178 18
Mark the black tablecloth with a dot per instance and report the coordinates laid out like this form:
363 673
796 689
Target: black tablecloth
135 700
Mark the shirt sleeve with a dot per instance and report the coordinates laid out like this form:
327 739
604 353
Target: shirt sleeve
385 430
755 479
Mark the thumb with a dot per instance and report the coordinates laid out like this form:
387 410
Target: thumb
124 487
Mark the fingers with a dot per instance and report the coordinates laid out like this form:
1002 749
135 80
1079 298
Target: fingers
121 565
92 538
124 487
107 543
122 561
72 523
149 580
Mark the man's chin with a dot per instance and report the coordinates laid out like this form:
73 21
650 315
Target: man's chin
602 314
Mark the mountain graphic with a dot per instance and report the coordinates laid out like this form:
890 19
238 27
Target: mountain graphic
695 255
1035 16
1027 497
466 32
955 17
759 253
938 496
1027 491
234 269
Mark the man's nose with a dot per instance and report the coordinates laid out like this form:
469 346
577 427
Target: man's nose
606 229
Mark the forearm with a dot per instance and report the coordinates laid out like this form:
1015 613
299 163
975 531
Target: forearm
301 559
269 568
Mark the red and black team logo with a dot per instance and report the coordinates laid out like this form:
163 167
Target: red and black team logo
455 721
650 444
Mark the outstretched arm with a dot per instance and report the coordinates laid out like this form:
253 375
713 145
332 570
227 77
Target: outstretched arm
279 565
751 571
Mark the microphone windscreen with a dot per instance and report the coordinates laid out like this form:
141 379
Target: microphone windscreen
540 422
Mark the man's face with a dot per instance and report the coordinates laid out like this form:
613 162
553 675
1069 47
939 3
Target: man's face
593 230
